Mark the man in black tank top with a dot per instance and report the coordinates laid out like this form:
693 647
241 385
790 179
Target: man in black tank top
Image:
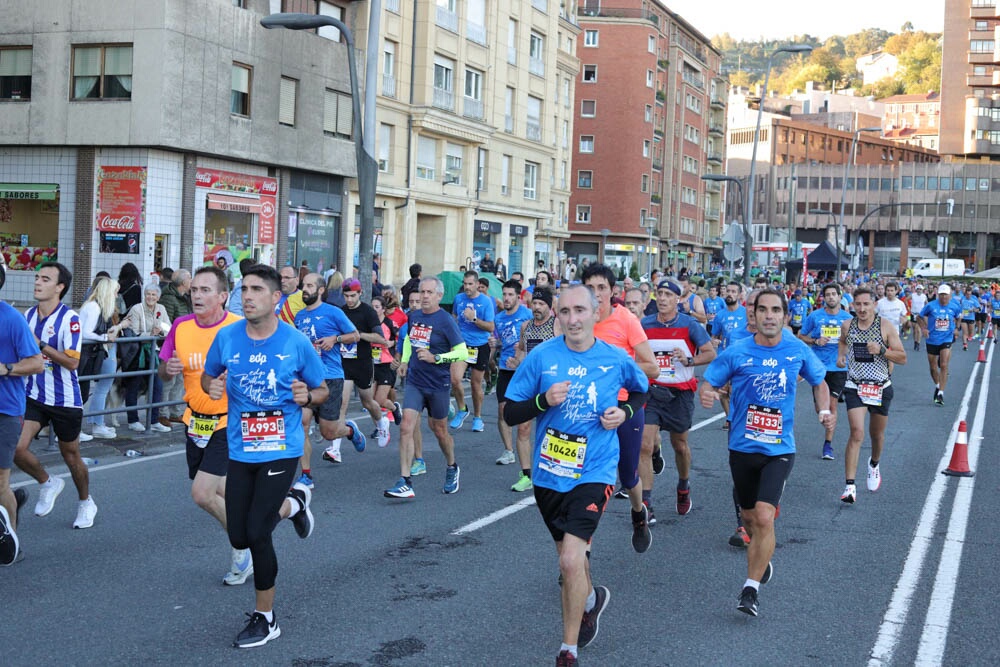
868 346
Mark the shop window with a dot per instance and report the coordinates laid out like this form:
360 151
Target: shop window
338 114
29 218
15 74
103 72
239 103
286 101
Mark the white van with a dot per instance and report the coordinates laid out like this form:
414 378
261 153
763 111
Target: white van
930 268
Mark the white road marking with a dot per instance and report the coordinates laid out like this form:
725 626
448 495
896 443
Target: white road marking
495 516
895 616
935 635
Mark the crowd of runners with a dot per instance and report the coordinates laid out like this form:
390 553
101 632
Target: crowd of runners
588 375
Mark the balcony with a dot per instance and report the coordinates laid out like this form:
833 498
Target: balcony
713 186
475 33
392 6
982 11
981 58
716 130
657 164
619 13
446 19
717 102
661 96
536 66
696 81
569 18
388 85
444 99
712 214
472 108
533 130
655 199
714 157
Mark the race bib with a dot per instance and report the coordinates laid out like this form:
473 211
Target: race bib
665 361
349 350
828 331
420 336
473 356
376 353
201 428
562 454
763 424
797 319
263 431
942 324
870 394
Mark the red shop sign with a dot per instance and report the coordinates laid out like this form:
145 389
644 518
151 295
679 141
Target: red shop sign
121 199
266 188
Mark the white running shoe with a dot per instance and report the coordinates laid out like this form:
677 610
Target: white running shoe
137 427
506 458
85 437
104 432
85 513
332 454
47 494
849 495
240 568
874 477
383 434
160 428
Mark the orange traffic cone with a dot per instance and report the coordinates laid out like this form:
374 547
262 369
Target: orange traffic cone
959 466
989 330
982 353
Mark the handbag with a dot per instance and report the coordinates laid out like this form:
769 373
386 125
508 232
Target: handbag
92 355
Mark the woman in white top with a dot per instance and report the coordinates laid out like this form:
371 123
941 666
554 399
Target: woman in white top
146 318
98 324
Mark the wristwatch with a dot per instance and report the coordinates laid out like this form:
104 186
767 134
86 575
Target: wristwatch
9 367
690 361
437 358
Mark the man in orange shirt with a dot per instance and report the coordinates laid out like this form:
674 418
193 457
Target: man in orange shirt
617 326
183 353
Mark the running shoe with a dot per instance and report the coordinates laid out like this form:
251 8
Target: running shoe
451 479
157 427
566 659
939 398
85 513
401 490
383 436
452 408
768 573
418 467
827 452
240 568
849 495
397 413
622 492
874 477
748 601
306 480
357 437
725 426
85 437
916 345
641 537
104 432
740 538
658 463
20 499
506 458
522 484
9 546
332 455
303 519
683 501
590 623
459 419
477 425
650 517
258 631
47 494
138 427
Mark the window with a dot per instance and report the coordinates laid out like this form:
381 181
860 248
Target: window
645 147
586 143
105 72
444 85
533 127
426 158
453 157
590 38
536 54
389 69
689 196
287 93
512 42
566 94
332 10
473 93
981 46
651 44
583 214
644 186
691 165
982 25
980 70
649 113
588 108
585 179
530 180
445 15
475 21
508 110
482 170
650 78
505 174
338 114
15 74
565 134
562 174
384 146
590 73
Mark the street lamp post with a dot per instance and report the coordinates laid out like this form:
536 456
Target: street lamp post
748 216
605 233
650 225
721 178
843 192
364 149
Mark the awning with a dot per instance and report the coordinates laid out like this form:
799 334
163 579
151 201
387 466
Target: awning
29 190
237 204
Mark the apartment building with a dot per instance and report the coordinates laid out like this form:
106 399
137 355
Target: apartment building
167 133
913 119
474 110
650 120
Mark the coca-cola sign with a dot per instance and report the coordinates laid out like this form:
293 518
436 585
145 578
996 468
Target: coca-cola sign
121 199
228 181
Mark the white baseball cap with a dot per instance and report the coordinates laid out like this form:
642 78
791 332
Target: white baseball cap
944 289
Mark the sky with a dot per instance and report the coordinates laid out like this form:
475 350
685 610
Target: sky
778 19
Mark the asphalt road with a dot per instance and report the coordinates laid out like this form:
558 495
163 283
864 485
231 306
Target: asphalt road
904 576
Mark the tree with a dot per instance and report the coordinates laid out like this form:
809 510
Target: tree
863 42
920 67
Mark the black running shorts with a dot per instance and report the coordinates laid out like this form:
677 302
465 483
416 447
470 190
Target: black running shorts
213 459
935 350
384 375
503 379
835 381
577 511
66 422
670 409
359 371
853 401
330 409
759 477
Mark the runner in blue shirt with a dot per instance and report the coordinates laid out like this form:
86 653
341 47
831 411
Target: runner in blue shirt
763 371
509 322
714 304
995 315
938 320
798 309
569 385
269 372
475 313
821 331
970 304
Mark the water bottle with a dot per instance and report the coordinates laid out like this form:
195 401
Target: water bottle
132 453
90 463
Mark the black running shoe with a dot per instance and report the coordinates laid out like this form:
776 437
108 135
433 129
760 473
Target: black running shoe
397 413
21 496
748 601
622 492
258 631
591 619
939 398
566 659
658 462
641 537
303 519
8 540
650 517
768 573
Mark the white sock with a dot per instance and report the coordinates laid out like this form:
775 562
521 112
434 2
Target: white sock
294 506
591 600
334 444
752 584
269 615
567 647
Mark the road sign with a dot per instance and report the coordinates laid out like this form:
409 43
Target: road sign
734 234
732 252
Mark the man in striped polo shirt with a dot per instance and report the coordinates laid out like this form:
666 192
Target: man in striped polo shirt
54 393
